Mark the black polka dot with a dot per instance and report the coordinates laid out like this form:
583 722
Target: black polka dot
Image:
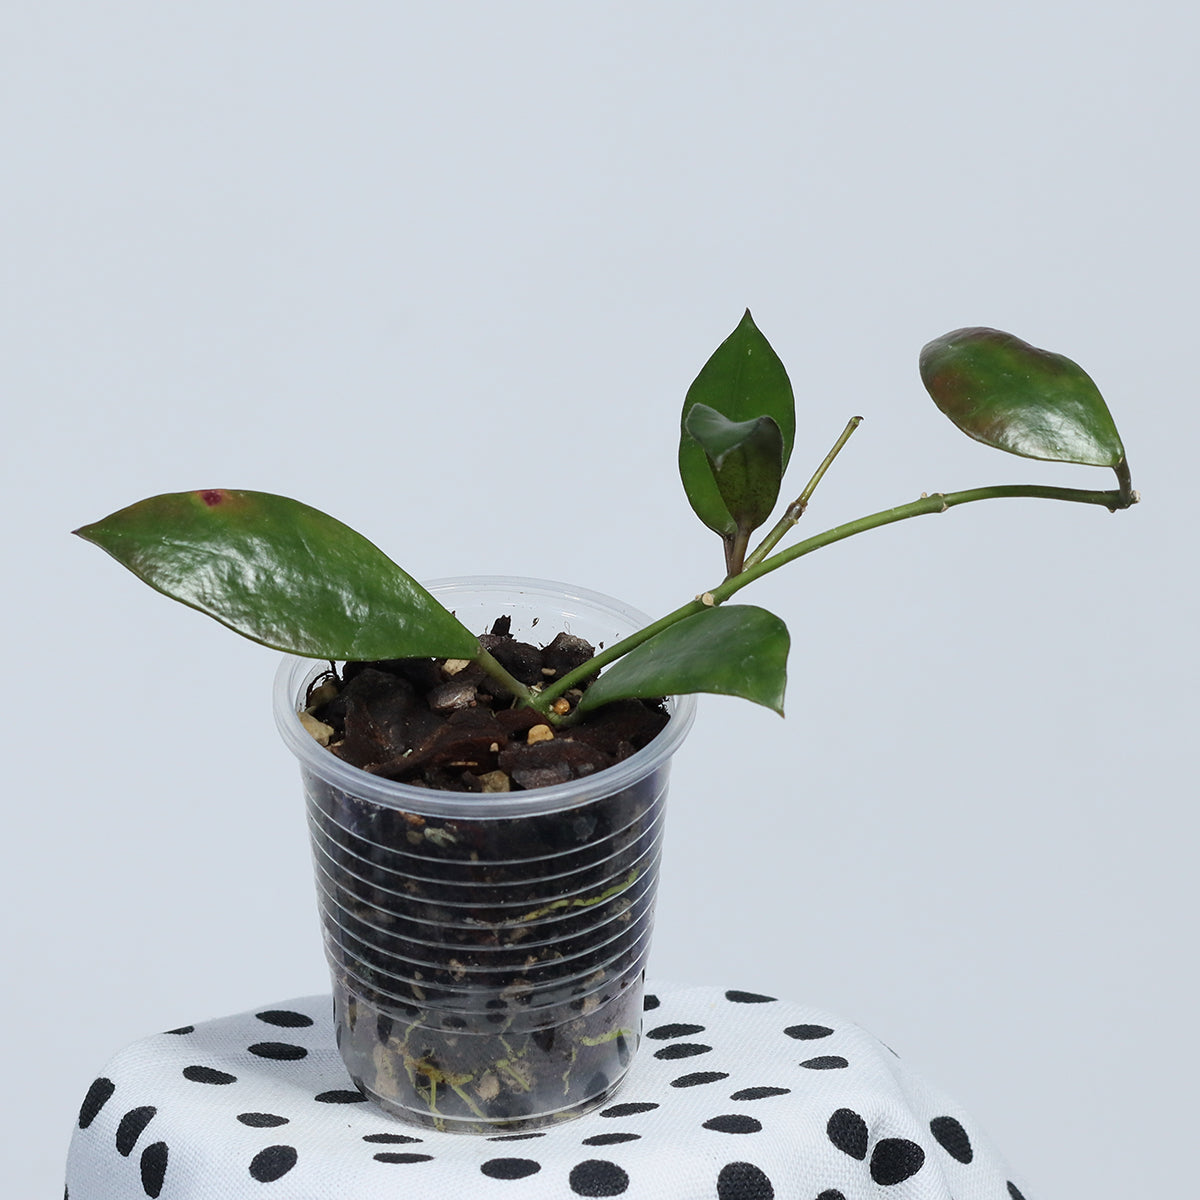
390 1139
627 1110
749 998
831 1194
952 1138
895 1159
808 1033
610 1139
1014 1191
273 1163
848 1132
825 1062
743 1181
279 1051
650 1002
343 1096
510 1168
153 1168
131 1126
403 1158
97 1097
595 1177
759 1093
285 1018
208 1075
258 1120
673 1031
734 1123
698 1077
183 1029
516 1137
682 1050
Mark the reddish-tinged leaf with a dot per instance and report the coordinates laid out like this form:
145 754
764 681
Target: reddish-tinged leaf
1008 394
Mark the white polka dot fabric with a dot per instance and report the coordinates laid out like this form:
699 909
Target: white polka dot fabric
732 1096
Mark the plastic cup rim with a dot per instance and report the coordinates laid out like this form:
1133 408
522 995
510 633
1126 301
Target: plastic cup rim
294 674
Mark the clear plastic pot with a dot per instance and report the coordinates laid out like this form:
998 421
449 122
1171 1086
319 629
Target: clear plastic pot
487 972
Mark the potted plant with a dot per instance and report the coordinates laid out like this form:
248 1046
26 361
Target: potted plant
485 799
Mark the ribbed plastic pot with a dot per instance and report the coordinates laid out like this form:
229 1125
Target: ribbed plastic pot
488 951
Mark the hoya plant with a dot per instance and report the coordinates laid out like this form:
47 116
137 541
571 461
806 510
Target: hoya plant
292 577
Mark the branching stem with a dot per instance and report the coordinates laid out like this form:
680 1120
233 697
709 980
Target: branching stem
1125 483
936 503
795 510
735 552
497 671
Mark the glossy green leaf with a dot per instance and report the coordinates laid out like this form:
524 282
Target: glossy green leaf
280 573
733 650
1011 395
743 380
746 460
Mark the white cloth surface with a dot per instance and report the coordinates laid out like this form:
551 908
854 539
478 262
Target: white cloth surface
732 1096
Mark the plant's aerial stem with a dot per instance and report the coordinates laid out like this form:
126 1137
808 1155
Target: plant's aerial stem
938 502
735 552
573 678
513 687
795 510
1126 484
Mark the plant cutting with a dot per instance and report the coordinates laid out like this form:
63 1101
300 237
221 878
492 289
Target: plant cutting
486 802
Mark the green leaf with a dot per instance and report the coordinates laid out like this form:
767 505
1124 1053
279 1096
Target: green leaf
743 380
746 460
1013 396
280 573
734 650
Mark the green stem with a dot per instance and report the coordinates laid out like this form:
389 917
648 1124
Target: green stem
1125 483
497 671
735 552
615 651
938 502
795 510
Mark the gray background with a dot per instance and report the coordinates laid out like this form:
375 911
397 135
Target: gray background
446 271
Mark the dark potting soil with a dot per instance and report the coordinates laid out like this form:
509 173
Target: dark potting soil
442 725
487 972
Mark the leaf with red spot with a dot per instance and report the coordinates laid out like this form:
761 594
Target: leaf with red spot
280 573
